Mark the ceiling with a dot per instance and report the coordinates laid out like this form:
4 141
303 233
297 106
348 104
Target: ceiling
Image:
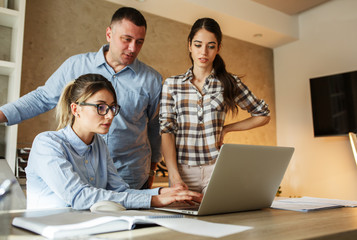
268 23
291 7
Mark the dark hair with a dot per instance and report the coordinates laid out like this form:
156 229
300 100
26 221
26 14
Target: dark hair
230 87
79 91
130 14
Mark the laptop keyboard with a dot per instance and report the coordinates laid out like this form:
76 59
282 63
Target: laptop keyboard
183 206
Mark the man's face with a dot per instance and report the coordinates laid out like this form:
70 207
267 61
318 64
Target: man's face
125 42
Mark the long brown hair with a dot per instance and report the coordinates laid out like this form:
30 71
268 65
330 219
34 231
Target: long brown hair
230 87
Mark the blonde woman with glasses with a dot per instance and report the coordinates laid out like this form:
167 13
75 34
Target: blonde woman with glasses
71 167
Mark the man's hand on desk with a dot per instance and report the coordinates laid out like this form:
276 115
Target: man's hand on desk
175 194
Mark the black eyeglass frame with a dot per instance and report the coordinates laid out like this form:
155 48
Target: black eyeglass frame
99 104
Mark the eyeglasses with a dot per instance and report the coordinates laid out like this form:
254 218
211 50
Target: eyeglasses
103 108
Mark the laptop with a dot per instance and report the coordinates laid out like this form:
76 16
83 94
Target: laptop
245 177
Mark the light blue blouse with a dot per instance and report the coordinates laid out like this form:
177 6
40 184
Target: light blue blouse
63 171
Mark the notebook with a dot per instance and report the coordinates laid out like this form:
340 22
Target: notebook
80 224
245 177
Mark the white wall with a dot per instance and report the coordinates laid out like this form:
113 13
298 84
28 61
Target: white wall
321 167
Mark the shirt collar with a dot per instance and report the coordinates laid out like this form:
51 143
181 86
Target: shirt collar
100 59
188 76
134 66
77 144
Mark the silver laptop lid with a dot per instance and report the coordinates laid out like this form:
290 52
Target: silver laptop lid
246 177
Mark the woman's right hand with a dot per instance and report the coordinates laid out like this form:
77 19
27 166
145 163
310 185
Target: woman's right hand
175 195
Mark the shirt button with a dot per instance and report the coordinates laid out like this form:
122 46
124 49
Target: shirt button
86 161
91 179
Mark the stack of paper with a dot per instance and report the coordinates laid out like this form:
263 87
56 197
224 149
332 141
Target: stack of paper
306 204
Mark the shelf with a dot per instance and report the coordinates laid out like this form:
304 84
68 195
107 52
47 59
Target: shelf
10 66
8 17
6 68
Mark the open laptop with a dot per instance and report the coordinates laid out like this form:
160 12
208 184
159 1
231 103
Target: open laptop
246 177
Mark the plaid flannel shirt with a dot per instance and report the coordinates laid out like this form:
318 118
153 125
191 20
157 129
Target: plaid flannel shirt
196 119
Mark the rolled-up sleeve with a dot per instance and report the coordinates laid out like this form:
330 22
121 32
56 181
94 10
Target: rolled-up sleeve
246 100
168 116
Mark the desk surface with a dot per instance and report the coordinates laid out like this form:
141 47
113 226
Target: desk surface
15 200
339 223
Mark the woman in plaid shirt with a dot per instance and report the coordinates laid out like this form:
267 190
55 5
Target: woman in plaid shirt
194 105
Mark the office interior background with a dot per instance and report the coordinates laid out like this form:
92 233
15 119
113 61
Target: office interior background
276 65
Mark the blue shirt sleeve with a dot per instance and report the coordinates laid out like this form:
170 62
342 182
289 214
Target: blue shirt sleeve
42 99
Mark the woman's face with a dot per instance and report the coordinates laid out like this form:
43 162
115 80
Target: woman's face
204 48
87 120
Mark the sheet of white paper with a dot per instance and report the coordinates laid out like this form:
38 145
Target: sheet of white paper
199 227
301 206
345 203
306 204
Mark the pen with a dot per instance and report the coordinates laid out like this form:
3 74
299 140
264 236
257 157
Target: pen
5 187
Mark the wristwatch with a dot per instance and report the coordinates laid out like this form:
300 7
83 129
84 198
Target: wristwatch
152 173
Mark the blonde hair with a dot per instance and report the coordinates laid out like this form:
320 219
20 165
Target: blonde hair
79 91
